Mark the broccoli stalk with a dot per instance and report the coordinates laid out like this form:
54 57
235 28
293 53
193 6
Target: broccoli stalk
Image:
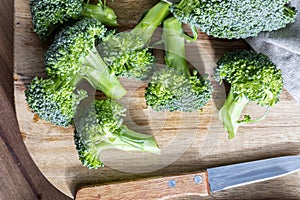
231 112
97 73
175 88
100 127
49 15
101 12
175 46
153 18
234 18
126 53
73 55
253 78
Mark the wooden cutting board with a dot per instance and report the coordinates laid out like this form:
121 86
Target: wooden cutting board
201 140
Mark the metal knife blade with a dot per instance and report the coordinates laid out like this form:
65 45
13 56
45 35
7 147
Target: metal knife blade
199 183
172 1
221 178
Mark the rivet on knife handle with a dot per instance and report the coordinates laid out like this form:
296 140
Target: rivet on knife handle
157 188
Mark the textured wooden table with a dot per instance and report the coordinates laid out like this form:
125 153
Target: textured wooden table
52 148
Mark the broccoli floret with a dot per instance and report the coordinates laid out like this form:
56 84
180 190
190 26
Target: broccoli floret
127 53
234 18
253 77
54 100
176 88
73 55
101 127
48 15
126 56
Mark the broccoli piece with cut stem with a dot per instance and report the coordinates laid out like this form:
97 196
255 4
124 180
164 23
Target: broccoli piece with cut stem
234 18
48 15
54 100
73 55
101 127
253 78
126 53
175 88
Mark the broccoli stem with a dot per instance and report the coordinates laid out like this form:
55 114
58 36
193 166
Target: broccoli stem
142 141
128 140
100 77
151 21
231 112
174 41
288 11
104 14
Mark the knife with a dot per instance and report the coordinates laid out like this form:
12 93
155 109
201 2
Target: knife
200 183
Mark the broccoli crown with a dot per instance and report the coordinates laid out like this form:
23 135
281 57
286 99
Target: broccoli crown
53 100
234 18
70 46
91 126
252 75
101 127
126 55
73 54
169 90
46 14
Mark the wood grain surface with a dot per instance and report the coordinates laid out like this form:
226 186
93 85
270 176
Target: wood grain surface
202 144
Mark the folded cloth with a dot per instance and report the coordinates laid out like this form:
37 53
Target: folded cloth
283 48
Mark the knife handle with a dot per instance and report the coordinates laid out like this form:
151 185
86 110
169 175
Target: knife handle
155 188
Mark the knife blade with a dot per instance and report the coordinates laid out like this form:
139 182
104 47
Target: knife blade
172 1
201 183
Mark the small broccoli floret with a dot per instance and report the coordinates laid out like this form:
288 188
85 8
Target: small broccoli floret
234 18
48 15
126 53
253 77
175 88
73 55
101 127
169 90
126 56
54 100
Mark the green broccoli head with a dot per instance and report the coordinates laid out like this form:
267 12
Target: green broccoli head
234 18
126 55
73 54
169 90
253 77
175 88
49 15
101 127
65 55
54 100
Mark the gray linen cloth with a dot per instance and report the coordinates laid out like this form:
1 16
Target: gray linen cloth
283 47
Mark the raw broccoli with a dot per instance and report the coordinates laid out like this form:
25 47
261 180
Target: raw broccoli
73 55
101 127
176 88
127 53
253 77
48 15
234 18
54 100
121 54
